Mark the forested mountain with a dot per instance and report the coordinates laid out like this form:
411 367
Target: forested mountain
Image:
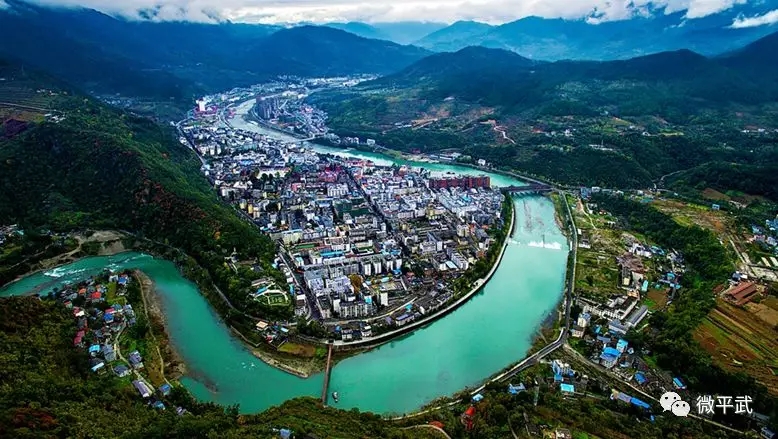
456 36
89 165
617 123
502 78
320 50
179 60
760 58
649 31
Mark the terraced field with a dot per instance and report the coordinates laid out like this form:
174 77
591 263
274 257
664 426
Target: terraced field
20 98
739 339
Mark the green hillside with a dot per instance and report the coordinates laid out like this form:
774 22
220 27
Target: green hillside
618 123
97 167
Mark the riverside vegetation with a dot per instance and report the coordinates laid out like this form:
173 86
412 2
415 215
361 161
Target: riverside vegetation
47 390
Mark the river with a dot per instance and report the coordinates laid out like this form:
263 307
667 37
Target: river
482 337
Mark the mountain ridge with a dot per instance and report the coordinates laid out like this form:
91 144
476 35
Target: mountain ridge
553 39
179 61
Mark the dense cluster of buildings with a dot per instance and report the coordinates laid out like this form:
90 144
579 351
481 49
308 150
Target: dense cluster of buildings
356 237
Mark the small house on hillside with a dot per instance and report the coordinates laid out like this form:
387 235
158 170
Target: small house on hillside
136 361
142 388
121 370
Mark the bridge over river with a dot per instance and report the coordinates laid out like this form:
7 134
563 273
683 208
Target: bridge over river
533 188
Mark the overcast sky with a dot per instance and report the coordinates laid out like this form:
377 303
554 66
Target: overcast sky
322 11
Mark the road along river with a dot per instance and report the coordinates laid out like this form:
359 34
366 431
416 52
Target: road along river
482 337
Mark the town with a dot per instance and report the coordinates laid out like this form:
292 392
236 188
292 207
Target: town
365 248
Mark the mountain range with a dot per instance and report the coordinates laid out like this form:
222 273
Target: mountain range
401 32
586 39
497 77
179 60
655 114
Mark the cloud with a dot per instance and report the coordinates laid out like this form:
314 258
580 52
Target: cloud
760 20
491 11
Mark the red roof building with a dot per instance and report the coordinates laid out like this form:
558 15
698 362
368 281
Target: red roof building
742 293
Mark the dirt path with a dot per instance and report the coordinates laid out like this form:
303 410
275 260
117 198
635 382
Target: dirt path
501 130
581 208
512 431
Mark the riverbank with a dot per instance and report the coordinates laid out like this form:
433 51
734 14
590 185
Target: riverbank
171 364
297 370
90 243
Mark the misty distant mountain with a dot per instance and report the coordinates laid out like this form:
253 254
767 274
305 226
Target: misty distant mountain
321 50
179 60
679 82
456 36
402 32
760 57
555 39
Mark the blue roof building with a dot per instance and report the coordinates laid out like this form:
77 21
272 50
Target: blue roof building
636 402
616 327
640 378
611 351
121 370
142 388
679 384
108 353
165 389
622 345
609 357
567 388
515 390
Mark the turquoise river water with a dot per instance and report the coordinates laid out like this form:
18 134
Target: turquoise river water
491 331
